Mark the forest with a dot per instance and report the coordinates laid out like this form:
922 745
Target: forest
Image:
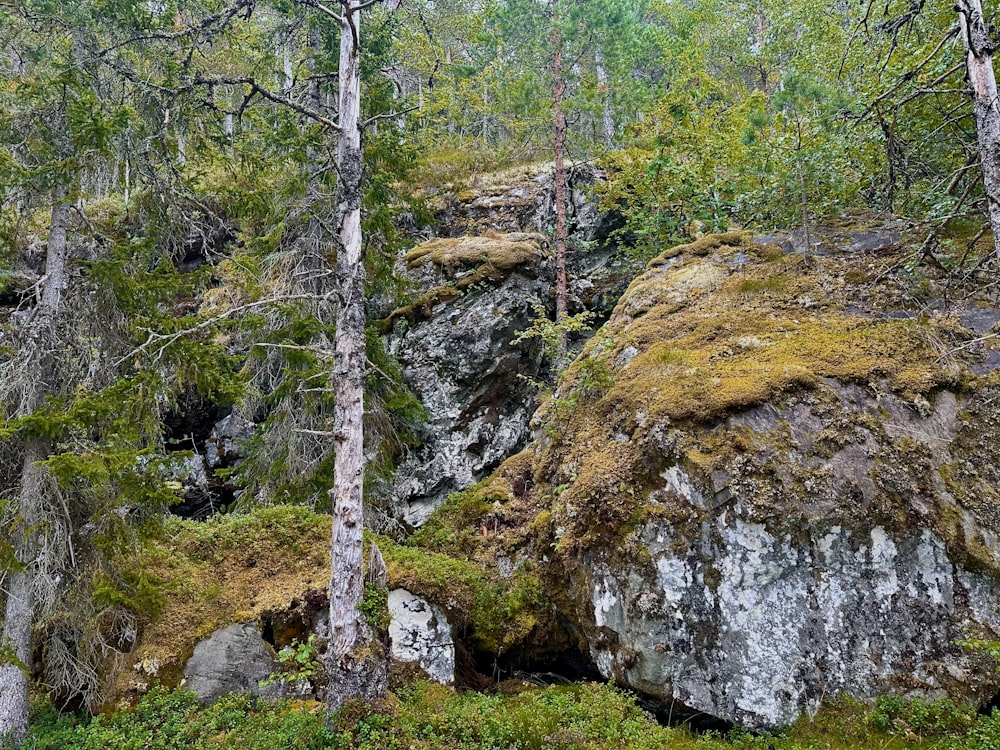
499 374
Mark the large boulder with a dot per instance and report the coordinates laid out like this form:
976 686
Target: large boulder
233 659
770 479
456 346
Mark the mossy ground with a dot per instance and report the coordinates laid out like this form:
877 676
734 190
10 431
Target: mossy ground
233 568
425 716
241 568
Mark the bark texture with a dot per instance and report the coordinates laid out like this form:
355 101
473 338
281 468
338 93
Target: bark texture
15 640
982 79
357 665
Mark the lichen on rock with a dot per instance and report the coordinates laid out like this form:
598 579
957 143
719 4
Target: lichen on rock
762 483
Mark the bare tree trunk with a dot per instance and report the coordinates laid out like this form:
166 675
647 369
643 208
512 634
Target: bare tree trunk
559 174
15 639
357 669
607 118
979 68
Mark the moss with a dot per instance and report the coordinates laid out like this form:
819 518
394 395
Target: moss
420 309
232 568
470 261
503 252
702 246
498 614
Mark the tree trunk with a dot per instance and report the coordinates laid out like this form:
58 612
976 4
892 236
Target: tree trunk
979 68
15 650
603 85
559 178
357 670
15 640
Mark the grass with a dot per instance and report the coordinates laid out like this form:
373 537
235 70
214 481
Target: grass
426 716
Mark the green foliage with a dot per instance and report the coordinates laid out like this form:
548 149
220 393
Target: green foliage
299 660
553 334
133 589
921 720
176 721
425 716
374 607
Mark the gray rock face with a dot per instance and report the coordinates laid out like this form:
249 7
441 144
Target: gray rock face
461 361
420 633
225 446
775 624
464 367
234 659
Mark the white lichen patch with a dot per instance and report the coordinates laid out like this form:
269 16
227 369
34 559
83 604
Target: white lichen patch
679 483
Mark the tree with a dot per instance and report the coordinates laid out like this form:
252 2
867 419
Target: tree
985 105
357 669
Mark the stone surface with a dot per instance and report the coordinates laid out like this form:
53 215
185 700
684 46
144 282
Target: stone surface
460 357
420 633
234 659
470 377
757 512
225 445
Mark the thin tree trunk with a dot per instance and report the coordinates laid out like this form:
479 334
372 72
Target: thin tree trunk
603 85
979 68
15 639
355 671
15 650
559 175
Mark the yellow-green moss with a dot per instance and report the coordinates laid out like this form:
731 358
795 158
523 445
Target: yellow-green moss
503 252
233 568
702 246
421 308
491 259
498 614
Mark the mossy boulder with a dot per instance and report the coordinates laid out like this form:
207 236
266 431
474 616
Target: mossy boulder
769 479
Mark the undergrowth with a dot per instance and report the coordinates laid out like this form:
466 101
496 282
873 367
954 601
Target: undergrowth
423 716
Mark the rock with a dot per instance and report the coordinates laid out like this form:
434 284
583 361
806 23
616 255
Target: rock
420 633
470 376
477 291
225 445
234 659
758 504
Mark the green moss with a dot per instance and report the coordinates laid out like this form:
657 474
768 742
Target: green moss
471 261
420 309
232 568
503 252
498 614
703 246
770 284
374 606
